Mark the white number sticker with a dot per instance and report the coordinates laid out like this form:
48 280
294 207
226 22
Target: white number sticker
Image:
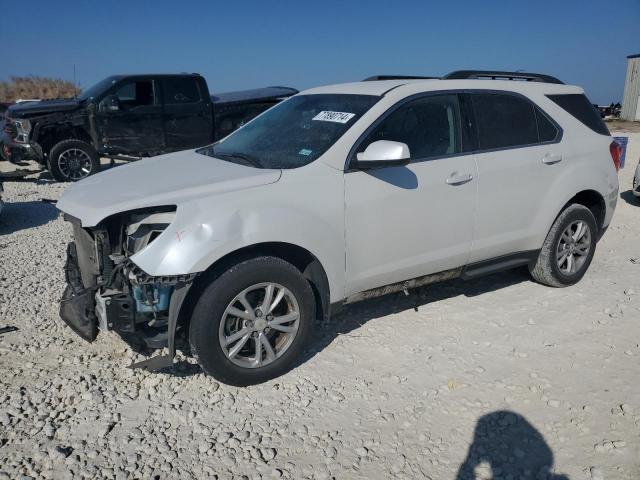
338 117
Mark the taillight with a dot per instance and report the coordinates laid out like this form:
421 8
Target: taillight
616 154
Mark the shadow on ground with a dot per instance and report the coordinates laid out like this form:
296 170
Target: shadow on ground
18 216
506 445
356 315
630 198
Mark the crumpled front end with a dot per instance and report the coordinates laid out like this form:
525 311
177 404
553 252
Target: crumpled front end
106 290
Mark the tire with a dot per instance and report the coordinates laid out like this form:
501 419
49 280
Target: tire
212 321
72 160
550 268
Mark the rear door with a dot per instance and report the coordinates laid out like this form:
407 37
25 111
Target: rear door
135 127
188 117
518 152
405 222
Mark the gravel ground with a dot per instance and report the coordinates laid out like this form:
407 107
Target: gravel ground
500 376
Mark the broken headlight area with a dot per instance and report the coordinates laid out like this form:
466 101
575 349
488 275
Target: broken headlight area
106 290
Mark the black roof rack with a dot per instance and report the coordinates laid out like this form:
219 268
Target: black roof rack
499 75
396 77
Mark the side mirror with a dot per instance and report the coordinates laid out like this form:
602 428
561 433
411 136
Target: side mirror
110 103
383 153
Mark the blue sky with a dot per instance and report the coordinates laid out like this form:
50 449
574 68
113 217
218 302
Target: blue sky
245 44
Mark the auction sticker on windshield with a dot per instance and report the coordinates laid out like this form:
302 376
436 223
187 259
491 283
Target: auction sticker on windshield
338 117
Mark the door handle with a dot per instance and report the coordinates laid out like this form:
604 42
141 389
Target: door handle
551 158
457 179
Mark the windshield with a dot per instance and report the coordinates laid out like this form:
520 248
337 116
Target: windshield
97 89
294 132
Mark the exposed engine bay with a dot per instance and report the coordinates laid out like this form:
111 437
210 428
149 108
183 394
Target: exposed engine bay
106 290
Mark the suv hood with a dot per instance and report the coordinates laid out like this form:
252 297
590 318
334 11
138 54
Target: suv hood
26 109
164 180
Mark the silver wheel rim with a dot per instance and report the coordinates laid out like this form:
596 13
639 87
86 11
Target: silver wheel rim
574 247
259 325
74 164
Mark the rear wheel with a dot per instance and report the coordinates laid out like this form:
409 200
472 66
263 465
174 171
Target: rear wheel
73 160
252 322
568 249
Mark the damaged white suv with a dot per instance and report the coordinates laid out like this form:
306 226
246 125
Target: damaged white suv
338 194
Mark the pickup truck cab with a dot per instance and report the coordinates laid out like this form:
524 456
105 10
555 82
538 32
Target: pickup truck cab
128 115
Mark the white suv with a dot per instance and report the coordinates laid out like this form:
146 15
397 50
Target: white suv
338 194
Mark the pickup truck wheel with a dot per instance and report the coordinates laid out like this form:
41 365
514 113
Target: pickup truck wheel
252 322
568 249
73 160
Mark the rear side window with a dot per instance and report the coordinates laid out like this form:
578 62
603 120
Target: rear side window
180 90
504 121
579 106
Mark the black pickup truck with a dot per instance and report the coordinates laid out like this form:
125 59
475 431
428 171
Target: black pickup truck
126 116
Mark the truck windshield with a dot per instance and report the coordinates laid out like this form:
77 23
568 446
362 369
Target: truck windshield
294 133
98 88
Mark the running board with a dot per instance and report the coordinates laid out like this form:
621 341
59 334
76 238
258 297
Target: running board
506 262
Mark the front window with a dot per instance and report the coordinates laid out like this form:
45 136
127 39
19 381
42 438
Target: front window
294 133
136 93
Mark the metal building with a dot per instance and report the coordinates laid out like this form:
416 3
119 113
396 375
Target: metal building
631 100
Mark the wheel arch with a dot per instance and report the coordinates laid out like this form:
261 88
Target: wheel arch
594 201
301 258
50 135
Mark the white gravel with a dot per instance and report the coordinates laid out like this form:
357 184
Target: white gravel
506 377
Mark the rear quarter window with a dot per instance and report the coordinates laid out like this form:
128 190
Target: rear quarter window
579 106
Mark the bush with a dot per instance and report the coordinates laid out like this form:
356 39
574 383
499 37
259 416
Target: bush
36 88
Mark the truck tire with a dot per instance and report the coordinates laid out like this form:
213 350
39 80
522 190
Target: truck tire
240 341
72 160
568 249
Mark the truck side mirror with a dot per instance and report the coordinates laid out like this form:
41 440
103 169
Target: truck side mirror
110 103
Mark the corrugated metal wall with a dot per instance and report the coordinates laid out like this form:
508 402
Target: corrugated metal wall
630 102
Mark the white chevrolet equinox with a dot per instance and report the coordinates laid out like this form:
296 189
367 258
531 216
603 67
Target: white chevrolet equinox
338 194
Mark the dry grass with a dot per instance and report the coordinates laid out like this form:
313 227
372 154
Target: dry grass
36 87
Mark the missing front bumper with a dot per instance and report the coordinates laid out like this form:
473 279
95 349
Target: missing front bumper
80 310
77 304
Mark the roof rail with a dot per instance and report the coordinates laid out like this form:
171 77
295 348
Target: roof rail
396 77
499 75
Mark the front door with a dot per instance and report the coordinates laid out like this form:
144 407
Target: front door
405 222
135 127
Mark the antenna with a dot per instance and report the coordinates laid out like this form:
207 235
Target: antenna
75 85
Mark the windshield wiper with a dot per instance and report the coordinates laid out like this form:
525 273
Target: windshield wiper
248 159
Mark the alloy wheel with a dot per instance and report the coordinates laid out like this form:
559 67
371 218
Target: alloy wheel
74 164
574 247
259 325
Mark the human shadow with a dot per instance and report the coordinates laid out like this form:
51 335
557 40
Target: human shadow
507 444
630 198
18 216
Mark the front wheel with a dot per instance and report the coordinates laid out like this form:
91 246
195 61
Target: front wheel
568 249
252 322
72 160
